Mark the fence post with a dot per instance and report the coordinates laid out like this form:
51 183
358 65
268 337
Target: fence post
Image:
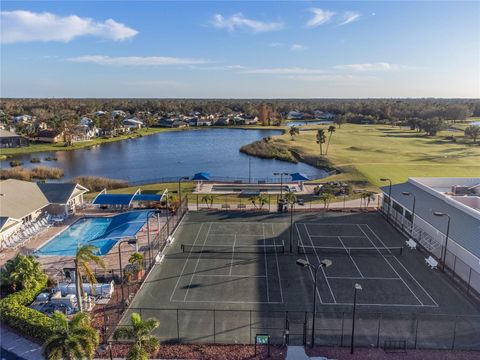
454 332
469 280
250 327
178 330
416 332
214 338
343 322
378 331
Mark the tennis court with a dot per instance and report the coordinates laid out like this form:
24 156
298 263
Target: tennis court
227 277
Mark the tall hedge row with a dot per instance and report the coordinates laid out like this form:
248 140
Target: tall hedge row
14 312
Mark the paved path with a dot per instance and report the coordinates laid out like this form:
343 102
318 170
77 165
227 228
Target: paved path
21 347
298 353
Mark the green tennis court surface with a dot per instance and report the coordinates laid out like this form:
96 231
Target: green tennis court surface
229 276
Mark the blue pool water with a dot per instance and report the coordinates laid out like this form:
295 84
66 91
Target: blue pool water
102 232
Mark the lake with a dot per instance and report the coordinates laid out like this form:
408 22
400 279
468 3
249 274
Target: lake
171 154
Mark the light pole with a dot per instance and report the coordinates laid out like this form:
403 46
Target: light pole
304 263
389 196
156 212
131 242
444 257
180 189
291 199
356 288
406 193
281 174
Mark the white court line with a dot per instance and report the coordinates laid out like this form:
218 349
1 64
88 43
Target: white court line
231 234
362 278
391 266
233 253
350 256
309 268
278 267
196 265
426 292
385 305
343 236
225 275
266 264
226 302
185 263
321 267
330 224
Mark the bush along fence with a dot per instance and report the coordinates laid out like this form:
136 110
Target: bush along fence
372 329
14 312
106 316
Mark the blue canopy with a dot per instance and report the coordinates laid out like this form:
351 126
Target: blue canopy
299 177
147 197
201 176
113 199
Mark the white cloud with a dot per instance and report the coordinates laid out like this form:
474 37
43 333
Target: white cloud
137 60
326 77
25 26
297 47
349 17
239 21
319 17
378 66
286 71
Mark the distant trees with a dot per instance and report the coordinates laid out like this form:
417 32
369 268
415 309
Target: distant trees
473 132
293 131
340 120
432 126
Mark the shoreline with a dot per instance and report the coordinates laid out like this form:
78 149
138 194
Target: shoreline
6 154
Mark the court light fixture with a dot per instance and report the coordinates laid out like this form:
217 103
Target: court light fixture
444 257
357 287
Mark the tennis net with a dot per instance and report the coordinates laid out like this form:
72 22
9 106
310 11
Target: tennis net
306 249
253 249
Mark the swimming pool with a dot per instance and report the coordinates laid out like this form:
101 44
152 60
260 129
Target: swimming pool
102 232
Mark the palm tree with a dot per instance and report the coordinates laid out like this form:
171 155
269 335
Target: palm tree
291 198
321 138
293 131
253 200
85 255
208 200
367 197
262 200
326 197
23 270
140 332
136 260
331 130
71 340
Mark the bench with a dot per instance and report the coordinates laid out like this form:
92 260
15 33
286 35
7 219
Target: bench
225 206
393 346
411 244
241 206
431 262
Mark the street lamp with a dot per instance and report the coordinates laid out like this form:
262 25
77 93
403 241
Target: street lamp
281 174
389 196
406 193
156 212
356 288
131 241
179 188
323 264
444 257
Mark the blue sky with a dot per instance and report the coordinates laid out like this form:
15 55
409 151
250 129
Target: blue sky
240 49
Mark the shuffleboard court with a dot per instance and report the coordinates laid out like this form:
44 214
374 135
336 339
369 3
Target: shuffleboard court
227 277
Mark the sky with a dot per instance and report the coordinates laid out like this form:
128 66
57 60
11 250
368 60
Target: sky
208 49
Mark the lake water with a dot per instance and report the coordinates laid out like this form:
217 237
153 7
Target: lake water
171 154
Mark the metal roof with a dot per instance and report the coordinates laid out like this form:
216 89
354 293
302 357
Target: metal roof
61 193
124 199
464 227
20 198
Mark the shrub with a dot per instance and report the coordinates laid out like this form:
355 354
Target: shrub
18 173
15 163
35 160
15 313
39 172
49 158
96 183
45 172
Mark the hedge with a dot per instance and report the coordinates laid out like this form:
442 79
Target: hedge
15 313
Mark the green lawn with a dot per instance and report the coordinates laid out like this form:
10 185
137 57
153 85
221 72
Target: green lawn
368 152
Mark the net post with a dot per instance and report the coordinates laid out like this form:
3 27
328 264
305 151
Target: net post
182 247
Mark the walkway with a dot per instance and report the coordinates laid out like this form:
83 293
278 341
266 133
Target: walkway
18 345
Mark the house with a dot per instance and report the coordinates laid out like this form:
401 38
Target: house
294 115
440 203
318 114
85 132
199 122
222 121
246 120
25 201
133 123
172 123
100 113
119 113
49 136
11 140
86 121
22 119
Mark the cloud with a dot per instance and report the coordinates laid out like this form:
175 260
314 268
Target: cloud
349 17
26 26
285 71
136 60
319 17
241 22
297 47
378 66
326 77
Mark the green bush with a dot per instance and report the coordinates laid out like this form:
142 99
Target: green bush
15 163
15 313
35 160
